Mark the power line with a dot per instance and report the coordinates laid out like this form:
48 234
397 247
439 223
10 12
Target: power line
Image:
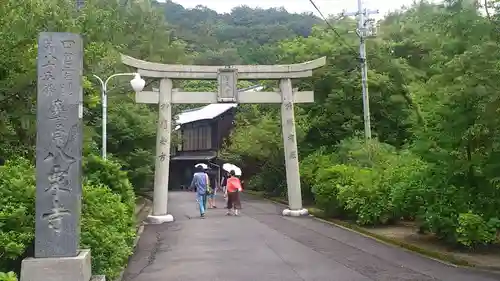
365 29
333 28
371 29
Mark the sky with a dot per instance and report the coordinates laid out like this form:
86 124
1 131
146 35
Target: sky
298 6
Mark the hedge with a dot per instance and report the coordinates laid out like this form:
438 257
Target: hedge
9 276
374 183
107 223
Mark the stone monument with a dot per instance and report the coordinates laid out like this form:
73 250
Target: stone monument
58 163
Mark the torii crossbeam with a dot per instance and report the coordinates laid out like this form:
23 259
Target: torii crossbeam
227 77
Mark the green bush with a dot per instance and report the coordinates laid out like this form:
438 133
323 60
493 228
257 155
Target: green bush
109 173
107 223
139 164
371 154
309 167
273 179
17 193
326 189
406 182
106 230
353 192
362 193
9 276
440 212
374 183
447 198
371 182
473 230
131 137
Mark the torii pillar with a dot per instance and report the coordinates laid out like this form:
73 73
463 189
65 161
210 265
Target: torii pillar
227 77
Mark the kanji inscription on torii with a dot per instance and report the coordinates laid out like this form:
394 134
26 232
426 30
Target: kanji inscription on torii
58 145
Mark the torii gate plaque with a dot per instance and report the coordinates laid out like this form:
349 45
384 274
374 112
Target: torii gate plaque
227 78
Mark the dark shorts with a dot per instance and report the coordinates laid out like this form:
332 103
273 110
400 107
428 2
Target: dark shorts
233 200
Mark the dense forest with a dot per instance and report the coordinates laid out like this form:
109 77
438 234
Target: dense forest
243 36
433 82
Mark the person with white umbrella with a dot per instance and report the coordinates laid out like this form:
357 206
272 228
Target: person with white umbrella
203 165
204 168
228 167
201 183
232 193
231 167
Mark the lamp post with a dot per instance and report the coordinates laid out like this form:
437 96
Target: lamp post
137 85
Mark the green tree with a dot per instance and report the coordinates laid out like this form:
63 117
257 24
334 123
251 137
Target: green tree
108 29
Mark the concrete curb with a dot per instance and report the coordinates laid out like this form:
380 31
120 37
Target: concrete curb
140 229
447 259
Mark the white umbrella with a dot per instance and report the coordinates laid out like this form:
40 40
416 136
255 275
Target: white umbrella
203 165
231 167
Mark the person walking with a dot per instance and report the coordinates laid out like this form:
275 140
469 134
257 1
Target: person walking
200 183
223 185
223 182
233 189
212 190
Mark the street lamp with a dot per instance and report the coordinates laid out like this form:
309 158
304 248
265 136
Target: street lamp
137 84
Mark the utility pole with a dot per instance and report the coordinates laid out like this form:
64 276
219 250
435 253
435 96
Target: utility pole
366 29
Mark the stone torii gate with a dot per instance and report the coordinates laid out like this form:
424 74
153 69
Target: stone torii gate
227 77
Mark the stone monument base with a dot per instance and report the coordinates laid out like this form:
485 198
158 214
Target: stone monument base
59 269
160 219
295 213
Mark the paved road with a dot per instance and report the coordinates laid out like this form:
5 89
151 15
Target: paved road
261 245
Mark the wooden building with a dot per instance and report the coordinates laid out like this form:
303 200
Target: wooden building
202 132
